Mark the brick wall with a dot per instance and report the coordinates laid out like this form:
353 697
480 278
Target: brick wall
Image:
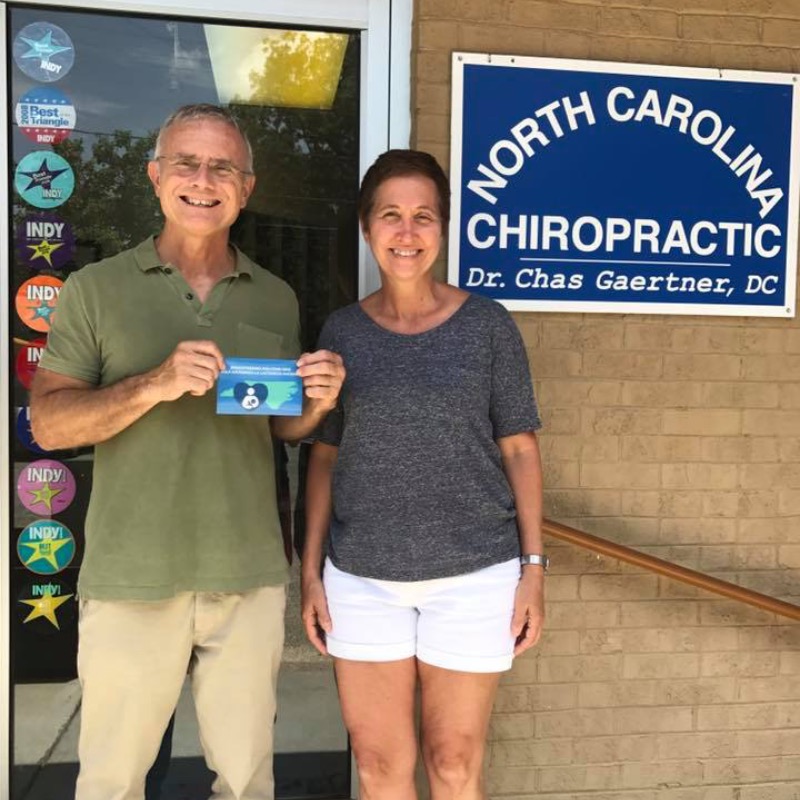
676 435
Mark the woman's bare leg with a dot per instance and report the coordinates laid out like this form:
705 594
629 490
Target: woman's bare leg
456 707
377 702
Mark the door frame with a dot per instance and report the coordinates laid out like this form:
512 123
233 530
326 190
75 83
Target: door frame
385 122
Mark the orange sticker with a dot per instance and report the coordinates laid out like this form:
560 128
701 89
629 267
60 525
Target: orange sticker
36 301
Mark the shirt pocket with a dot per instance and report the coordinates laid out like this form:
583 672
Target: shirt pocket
254 342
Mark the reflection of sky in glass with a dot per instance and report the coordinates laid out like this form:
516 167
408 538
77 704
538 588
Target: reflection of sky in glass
129 72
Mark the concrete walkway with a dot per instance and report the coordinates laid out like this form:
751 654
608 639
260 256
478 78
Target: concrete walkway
47 717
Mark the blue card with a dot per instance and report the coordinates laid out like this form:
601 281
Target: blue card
260 386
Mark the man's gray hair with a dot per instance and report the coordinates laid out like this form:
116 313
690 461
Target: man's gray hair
203 111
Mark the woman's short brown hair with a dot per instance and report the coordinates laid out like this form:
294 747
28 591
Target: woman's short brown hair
402 164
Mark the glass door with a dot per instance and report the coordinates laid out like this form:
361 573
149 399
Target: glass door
88 91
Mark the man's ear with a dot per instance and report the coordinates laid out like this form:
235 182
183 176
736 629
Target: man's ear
247 189
154 175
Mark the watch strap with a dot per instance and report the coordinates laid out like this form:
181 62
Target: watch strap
535 559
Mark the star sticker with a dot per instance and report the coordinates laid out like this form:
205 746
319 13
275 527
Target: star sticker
45 607
44 250
42 48
45 551
44 495
44 176
42 310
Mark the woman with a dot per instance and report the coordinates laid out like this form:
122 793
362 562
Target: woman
428 479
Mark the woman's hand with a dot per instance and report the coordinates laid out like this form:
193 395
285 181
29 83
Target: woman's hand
316 619
528 619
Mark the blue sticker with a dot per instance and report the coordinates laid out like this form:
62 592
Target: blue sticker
44 179
46 547
45 115
24 433
44 52
45 241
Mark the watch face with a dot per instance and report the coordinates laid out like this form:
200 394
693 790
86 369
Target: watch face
535 560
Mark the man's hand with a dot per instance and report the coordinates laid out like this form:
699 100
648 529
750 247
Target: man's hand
67 412
323 374
192 367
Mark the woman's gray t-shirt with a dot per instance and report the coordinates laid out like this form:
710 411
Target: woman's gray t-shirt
419 490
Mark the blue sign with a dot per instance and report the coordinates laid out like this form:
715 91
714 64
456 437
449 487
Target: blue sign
585 186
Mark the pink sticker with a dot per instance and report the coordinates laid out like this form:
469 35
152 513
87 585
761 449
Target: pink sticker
46 487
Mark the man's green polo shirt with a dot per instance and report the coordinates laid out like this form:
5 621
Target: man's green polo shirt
183 499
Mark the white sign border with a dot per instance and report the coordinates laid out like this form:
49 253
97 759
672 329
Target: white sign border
460 60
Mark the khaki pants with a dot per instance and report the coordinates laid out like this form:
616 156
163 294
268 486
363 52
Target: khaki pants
132 660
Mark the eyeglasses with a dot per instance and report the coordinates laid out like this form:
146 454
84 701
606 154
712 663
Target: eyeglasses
186 166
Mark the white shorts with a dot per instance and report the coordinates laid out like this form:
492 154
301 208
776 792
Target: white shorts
461 623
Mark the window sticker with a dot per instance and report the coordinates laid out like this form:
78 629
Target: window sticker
36 301
45 115
46 487
45 606
25 434
44 52
46 547
45 241
44 179
27 360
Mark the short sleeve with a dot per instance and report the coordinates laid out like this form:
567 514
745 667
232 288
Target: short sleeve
330 430
72 348
513 406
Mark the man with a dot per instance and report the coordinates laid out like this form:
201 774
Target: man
184 564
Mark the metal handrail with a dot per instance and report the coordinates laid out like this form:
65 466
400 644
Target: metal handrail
670 570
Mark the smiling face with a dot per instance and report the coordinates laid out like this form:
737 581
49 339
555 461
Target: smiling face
404 228
199 195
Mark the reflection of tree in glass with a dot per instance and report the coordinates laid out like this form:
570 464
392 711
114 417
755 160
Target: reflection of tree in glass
300 69
306 158
301 221
113 206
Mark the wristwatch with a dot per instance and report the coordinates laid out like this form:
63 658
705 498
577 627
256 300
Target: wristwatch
535 559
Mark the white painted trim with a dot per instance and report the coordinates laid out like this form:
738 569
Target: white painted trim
340 14
375 101
386 87
456 126
794 203
400 77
